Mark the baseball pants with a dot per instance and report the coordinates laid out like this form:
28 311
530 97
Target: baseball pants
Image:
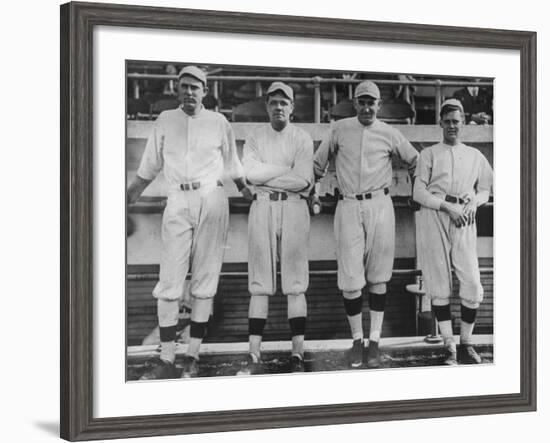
194 232
278 229
442 248
365 241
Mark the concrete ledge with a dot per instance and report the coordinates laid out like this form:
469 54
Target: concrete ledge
394 344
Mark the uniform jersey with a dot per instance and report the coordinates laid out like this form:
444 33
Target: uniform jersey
364 229
279 161
458 171
363 154
191 149
197 148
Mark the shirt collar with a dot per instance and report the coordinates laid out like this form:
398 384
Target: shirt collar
197 115
282 131
375 123
459 144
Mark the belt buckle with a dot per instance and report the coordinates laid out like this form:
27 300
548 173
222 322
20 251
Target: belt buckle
453 199
276 196
190 186
359 197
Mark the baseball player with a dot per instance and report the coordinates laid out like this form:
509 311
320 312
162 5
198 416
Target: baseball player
278 162
193 147
364 221
451 181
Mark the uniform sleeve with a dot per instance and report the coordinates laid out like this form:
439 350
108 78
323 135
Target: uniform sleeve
231 160
406 152
152 159
256 171
484 182
300 176
324 153
422 179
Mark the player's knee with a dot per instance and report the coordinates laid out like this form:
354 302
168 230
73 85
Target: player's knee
258 307
377 302
353 306
442 313
167 311
201 309
256 326
471 290
297 325
198 329
350 295
377 288
297 306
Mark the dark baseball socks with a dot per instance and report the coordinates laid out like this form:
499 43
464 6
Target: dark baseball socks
468 317
377 305
353 305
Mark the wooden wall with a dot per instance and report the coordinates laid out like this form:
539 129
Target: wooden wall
326 316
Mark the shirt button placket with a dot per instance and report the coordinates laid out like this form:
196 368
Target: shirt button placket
187 148
361 159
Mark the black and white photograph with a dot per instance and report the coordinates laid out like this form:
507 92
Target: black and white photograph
275 221
268 222
292 220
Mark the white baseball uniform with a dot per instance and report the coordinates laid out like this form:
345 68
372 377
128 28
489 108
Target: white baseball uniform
459 172
278 162
364 227
193 151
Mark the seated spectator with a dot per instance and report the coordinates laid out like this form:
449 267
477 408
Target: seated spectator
477 103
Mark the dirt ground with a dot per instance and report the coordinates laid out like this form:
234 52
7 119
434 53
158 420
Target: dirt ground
278 363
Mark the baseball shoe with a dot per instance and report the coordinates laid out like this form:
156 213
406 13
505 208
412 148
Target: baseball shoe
467 355
355 354
251 366
190 367
297 364
450 357
163 370
373 355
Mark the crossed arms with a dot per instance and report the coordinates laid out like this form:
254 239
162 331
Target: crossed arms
295 178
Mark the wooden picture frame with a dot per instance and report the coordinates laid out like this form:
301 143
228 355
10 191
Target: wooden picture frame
77 271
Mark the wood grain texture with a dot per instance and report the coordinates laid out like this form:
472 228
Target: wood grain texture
77 23
326 316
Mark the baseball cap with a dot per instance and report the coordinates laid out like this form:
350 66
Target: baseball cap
195 72
280 86
453 103
367 88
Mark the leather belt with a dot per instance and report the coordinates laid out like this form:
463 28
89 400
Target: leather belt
193 186
274 196
453 199
366 196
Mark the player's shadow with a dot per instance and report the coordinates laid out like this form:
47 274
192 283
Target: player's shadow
50 427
